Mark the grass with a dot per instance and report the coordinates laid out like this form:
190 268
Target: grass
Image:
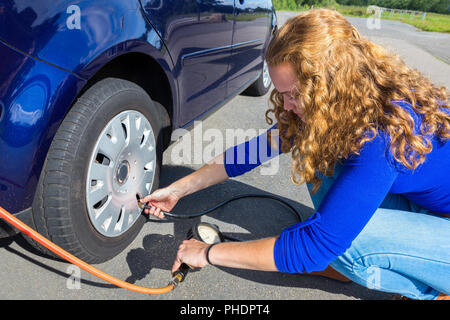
353 11
433 22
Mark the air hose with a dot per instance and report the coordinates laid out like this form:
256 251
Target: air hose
8 217
266 196
177 276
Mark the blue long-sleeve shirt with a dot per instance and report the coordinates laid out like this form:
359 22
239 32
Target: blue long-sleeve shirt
360 188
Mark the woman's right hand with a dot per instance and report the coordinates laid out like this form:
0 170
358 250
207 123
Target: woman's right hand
161 200
166 198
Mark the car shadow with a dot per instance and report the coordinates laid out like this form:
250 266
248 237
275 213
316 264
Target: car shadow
258 218
21 242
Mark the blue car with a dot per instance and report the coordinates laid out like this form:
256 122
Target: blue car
90 92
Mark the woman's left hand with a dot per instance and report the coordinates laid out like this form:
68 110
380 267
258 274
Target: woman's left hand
191 252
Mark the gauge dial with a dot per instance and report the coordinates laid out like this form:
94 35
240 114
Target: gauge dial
208 233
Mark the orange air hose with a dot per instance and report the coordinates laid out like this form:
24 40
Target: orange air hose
8 217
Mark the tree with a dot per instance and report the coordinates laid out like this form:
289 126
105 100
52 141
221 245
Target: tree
442 6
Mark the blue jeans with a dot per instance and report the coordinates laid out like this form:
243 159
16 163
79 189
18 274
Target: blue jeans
403 249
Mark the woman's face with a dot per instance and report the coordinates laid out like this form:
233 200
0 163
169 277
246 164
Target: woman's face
284 79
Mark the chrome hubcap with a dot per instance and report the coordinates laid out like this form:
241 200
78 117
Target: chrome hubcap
121 169
122 172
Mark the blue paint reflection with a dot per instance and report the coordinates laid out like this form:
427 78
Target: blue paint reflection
27 106
26 111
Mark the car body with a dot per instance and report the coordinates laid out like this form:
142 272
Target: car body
189 56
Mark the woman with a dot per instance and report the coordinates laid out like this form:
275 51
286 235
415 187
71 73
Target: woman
369 137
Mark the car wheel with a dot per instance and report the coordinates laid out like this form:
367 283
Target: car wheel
105 155
262 85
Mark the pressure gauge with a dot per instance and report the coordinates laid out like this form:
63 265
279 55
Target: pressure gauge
206 232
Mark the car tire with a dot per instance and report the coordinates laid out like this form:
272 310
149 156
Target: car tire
63 208
262 85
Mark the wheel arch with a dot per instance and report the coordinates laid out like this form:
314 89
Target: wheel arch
137 67
146 72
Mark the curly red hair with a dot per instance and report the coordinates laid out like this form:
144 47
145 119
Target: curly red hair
348 85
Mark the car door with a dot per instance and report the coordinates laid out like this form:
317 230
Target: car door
252 20
198 35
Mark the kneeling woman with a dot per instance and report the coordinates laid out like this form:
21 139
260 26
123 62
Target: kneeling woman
370 138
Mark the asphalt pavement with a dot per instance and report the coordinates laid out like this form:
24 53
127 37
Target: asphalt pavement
24 274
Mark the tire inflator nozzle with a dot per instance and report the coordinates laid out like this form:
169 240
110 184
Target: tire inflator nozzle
179 275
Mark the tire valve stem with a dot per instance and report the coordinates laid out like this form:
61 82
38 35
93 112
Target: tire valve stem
140 204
